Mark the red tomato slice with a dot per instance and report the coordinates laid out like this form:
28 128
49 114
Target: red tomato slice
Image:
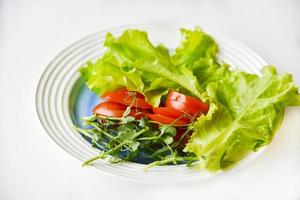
188 100
170 112
165 119
183 107
124 97
138 113
109 109
112 109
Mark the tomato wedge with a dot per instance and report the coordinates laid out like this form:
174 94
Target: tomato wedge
183 107
165 119
125 97
109 109
192 105
170 112
112 109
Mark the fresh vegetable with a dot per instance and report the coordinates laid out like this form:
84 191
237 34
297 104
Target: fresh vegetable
177 105
123 96
167 120
125 138
249 111
112 109
170 112
192 105
109 109
224 114
131 61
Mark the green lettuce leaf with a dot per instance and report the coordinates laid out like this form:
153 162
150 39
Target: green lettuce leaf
195 45
198 51
132 61
247 112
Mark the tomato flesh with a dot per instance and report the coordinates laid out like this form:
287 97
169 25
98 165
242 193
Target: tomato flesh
165 119
177 105
196 104
170 112
125 97
183 107
109 109
112 109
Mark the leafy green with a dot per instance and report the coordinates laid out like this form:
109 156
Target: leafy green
245 109
198 51
249 111
196 46
132 61
125 138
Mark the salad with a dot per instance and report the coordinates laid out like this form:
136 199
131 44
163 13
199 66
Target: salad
181 107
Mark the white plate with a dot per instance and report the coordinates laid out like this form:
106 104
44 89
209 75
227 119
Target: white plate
55 93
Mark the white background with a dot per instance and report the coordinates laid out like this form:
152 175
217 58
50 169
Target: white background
33 32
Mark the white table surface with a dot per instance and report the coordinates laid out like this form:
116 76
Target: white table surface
33 167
